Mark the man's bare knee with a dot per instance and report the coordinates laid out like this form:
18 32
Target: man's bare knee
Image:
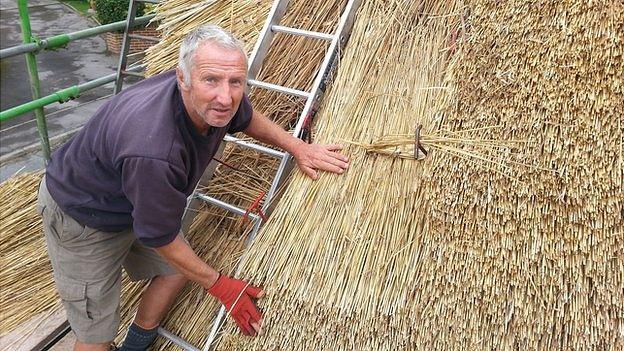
157 299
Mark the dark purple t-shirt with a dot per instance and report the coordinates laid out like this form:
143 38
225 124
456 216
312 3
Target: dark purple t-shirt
136 161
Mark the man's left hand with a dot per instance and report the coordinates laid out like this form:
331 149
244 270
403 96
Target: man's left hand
312 158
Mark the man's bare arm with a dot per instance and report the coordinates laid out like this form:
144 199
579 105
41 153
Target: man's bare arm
309 157
182 257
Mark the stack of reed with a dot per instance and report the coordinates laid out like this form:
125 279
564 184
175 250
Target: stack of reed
26 275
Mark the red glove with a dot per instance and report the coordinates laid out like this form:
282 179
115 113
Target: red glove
236 296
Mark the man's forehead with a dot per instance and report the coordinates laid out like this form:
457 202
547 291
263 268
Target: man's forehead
212 51
207 69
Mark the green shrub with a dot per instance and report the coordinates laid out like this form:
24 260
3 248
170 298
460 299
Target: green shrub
109 11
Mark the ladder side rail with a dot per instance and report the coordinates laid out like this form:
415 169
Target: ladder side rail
266 36
216 325
125 46
340 38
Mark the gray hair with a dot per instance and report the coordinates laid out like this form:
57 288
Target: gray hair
200 35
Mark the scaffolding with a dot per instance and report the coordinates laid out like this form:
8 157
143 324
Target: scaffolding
31 46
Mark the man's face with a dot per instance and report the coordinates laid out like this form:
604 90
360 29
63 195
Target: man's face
218 79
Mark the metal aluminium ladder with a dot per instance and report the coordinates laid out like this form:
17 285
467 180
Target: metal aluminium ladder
122 69
337 41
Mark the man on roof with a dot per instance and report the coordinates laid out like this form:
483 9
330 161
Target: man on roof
114 195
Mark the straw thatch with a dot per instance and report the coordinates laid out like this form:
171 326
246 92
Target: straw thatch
509 235
26 281
520 247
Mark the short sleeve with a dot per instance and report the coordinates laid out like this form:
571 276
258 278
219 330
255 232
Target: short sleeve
153 187
242 117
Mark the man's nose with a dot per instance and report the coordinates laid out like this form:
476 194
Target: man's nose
224 97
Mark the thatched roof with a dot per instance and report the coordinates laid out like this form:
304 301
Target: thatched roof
509 235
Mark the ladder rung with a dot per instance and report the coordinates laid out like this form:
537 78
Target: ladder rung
254 146
281 89
302 32
177 340
134 74
138 53
144 37
224 205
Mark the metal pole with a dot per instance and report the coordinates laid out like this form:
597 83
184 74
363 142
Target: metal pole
125 46
60 40
31 63
62 95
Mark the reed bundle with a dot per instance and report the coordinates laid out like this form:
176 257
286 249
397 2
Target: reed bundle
178 18
26 275
447 253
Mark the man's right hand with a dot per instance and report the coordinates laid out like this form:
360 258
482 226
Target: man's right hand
236 296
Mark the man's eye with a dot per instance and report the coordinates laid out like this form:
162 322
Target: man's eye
236 82
210 79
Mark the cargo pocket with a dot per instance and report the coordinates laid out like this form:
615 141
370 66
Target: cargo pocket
73 294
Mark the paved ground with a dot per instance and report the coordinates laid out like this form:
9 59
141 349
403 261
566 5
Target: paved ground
79 62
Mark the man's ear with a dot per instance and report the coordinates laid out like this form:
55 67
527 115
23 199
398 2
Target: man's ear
180 77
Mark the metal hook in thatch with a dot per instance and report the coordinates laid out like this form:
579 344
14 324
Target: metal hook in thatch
417 145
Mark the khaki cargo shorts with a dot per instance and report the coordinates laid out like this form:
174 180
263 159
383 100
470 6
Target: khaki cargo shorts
87 269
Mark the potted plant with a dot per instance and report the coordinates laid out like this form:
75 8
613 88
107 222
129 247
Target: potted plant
110 11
